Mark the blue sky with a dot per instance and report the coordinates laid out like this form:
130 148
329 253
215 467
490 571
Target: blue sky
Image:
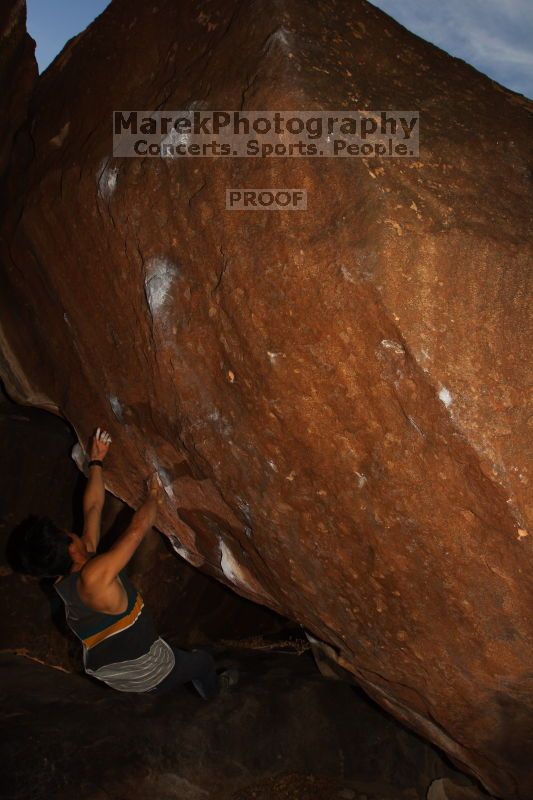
53 22
496 36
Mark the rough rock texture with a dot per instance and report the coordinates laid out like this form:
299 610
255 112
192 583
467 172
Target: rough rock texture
445 789
335 399
18 71
284 718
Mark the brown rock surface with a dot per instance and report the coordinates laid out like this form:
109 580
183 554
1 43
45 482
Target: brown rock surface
337 399
445 789
18 71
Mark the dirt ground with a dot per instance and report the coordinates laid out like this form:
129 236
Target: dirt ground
313 787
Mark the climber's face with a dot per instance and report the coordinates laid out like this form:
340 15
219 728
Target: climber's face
77 550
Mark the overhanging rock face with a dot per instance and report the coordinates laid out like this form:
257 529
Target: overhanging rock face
18 71
336 399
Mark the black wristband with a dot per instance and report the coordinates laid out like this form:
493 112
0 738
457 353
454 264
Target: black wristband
96 463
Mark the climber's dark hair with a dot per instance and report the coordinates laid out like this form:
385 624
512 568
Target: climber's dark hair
38 547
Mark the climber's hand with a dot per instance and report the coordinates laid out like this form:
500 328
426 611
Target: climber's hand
99 444
155 488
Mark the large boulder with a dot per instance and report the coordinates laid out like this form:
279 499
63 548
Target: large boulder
335 399
18 72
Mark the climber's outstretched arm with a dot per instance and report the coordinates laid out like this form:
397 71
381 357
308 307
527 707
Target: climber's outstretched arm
101 571
94 495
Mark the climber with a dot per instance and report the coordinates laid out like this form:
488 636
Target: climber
103 609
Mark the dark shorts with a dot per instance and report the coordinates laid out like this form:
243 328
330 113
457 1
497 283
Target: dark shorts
197 667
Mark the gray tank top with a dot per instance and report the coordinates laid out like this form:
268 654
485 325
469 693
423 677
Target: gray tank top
123 650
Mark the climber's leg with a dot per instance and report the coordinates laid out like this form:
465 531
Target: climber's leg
197 667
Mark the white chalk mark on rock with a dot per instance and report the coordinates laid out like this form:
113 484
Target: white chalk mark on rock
347 275
230 566
166 480
445 397
361 479
78 456
181 550
415 426
221 423
274 356
280 36
424 358
174 140
107 177
160 274
116 407
245 509
390 344
162 473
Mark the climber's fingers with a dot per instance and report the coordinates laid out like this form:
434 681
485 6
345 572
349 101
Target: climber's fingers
102 436
155 487
99 445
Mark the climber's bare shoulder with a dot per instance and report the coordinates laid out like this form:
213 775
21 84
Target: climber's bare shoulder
98 592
